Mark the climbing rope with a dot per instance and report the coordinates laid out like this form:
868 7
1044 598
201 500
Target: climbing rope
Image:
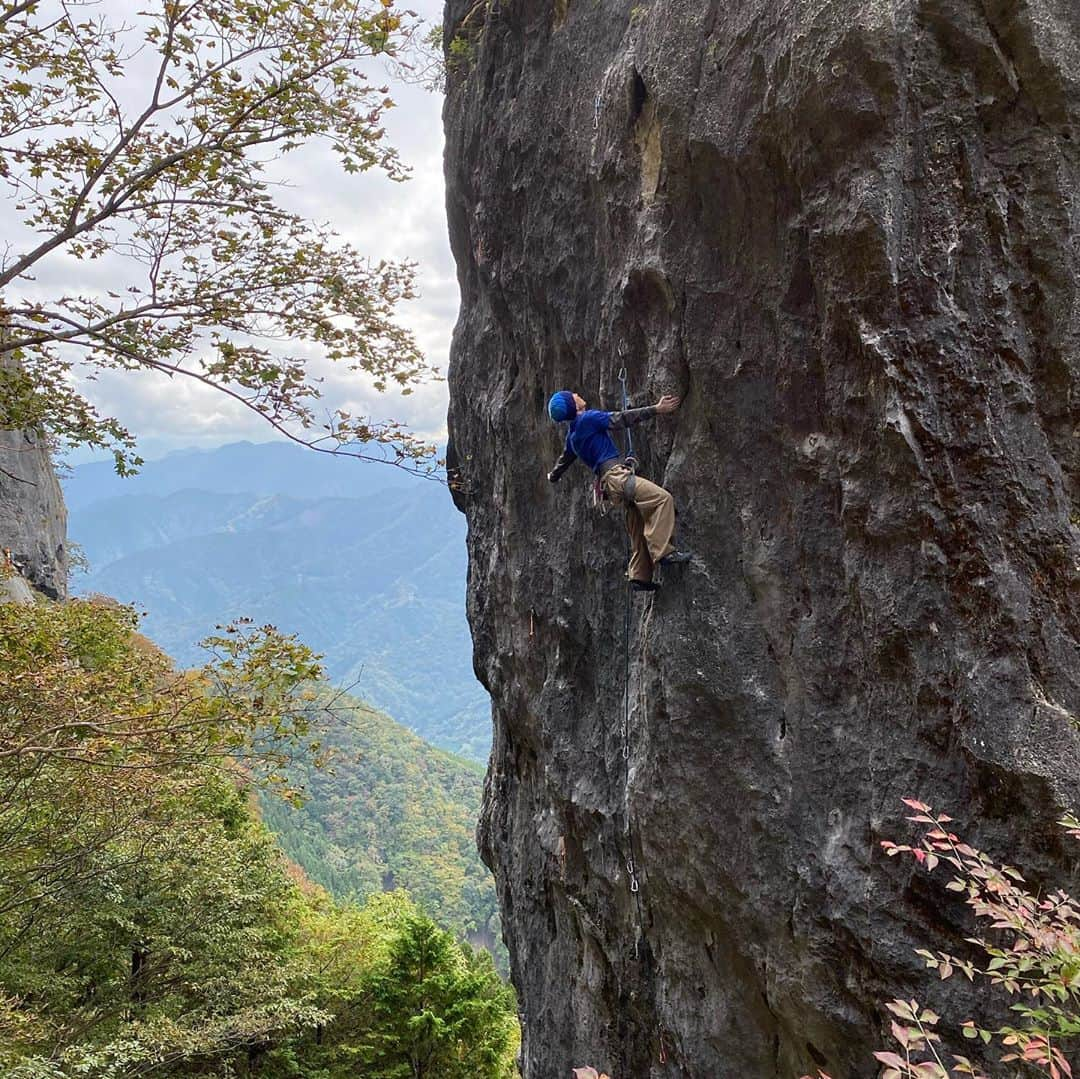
625 403
631 869
626 630
631 866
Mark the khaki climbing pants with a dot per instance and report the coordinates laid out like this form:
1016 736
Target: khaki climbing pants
650 518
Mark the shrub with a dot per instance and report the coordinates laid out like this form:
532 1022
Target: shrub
1028 949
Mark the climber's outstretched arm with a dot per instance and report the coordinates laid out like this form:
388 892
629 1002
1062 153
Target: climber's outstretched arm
621 420
566 459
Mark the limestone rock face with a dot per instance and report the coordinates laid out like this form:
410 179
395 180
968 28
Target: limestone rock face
33 520
846 232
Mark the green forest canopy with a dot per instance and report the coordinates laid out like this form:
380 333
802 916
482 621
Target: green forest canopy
389 811
150 925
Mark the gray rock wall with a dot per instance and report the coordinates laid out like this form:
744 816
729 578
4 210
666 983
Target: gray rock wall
33 520
846 232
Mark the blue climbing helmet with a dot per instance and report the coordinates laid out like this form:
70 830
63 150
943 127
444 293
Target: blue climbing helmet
561 406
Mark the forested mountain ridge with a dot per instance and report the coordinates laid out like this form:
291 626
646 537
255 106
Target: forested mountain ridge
151 521
149 922
374 582
389 811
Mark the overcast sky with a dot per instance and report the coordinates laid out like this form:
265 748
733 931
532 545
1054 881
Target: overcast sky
383 220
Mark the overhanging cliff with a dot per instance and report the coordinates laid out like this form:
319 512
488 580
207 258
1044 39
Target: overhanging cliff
846 232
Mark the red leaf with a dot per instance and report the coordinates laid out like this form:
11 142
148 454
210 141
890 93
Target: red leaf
891 1059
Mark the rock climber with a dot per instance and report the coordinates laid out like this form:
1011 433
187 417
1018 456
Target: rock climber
650 510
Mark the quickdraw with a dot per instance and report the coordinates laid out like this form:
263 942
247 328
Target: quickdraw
631 460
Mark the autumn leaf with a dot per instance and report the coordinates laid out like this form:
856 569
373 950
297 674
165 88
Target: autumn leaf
213 279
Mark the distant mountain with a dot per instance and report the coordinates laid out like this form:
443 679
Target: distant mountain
375 581
391 812
255 468
113 528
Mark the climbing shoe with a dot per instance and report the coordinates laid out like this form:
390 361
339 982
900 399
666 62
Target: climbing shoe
676 558
644 586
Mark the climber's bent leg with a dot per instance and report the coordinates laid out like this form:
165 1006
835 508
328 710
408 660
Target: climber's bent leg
657 507
641 565
650 518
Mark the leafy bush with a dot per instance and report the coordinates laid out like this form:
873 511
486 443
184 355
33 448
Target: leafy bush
1028 949
461 55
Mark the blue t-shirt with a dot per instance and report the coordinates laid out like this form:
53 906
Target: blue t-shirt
589 438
